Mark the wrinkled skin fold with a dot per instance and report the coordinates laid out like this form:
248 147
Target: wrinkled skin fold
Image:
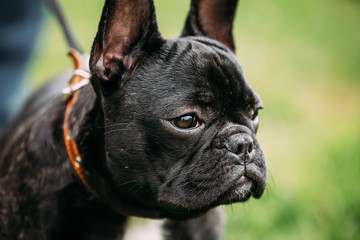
138 152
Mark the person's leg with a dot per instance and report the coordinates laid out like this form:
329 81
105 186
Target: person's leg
20 23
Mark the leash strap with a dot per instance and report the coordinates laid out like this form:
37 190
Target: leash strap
79 79
56 10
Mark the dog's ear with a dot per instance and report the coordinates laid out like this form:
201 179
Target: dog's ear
213 19
127 32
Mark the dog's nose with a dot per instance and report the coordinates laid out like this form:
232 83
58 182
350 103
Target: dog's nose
240 143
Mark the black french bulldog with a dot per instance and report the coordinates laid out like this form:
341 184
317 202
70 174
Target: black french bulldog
165 130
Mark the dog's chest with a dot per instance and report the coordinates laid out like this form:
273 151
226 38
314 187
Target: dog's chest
143 229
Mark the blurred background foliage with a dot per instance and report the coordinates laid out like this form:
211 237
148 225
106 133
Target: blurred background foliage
303 58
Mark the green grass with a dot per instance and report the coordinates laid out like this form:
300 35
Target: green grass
303 57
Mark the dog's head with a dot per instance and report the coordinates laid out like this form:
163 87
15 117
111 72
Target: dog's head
180 118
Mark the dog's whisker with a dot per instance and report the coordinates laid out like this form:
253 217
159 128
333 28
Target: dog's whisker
112 131
117 124
135 188
159 129
124 183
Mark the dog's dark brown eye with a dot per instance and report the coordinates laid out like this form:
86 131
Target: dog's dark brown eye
186 122
255 114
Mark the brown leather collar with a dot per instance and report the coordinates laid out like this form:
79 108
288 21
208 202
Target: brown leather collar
79 79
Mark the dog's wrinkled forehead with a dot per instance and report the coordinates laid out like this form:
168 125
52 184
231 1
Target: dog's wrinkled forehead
197 68
200 69
209 60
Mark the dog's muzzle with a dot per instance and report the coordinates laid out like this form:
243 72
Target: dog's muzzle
241 147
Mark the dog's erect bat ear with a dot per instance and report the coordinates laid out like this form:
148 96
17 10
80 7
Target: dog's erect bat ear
127 32
213 19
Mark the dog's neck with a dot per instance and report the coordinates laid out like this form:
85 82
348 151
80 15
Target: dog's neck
86 124
86 120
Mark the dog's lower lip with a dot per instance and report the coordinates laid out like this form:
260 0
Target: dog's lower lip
243 179
258 187
241 191
245 186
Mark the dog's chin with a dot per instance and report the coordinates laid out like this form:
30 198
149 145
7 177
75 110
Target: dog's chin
241 191
176 212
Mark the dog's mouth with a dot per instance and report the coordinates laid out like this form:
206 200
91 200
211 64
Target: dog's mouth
239 191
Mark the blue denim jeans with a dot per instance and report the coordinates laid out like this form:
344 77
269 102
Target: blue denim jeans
20 22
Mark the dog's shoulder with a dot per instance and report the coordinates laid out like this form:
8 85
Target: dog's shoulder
30 145
43 110
44 95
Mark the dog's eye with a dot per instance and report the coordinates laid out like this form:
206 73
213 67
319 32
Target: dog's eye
255 113
255 119
186 122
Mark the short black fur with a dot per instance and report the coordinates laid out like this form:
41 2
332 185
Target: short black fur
138 162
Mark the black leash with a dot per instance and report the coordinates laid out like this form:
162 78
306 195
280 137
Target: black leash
55 9
79 79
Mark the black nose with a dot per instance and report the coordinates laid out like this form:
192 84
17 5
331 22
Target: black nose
240 143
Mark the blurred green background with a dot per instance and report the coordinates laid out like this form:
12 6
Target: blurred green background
303 58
